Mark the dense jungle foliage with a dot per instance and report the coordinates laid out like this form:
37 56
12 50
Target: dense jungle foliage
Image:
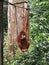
38 52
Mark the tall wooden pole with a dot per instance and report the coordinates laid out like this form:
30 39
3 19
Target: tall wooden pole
12 33
15 21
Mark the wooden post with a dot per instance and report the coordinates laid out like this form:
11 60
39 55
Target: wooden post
12 29
16 21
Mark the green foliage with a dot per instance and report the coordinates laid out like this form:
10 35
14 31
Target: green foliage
38 56
39 20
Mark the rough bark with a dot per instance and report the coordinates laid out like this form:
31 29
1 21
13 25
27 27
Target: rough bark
15 21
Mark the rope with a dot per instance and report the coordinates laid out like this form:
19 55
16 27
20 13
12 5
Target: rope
17 3
21 2
30 9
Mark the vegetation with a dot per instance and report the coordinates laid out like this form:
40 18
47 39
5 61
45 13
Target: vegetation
38 52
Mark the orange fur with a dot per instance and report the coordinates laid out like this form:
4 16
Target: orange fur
22 39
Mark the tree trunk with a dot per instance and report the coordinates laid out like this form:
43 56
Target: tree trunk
16 24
